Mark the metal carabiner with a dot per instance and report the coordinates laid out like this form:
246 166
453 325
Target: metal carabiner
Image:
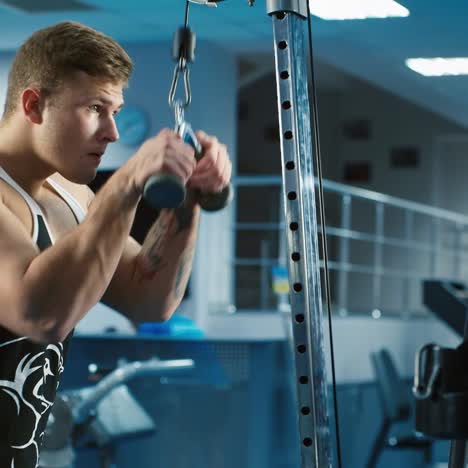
179 116
180 67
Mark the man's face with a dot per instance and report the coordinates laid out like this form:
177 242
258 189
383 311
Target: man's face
78 124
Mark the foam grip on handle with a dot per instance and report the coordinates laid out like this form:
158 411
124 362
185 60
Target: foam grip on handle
164 191
215 201
207 201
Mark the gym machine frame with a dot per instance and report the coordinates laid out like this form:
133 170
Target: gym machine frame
297 145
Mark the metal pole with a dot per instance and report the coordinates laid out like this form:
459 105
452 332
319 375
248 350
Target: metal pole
289 28
344 255
409 218
282 302
378 248
435 241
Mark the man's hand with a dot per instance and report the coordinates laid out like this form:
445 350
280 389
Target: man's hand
213 171
164 153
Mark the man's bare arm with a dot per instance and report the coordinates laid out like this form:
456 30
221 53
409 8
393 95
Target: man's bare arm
150 280
44 294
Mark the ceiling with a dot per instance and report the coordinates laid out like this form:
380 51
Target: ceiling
371 50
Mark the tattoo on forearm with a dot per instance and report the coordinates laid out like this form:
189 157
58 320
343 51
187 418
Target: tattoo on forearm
154 245
169 224
155 260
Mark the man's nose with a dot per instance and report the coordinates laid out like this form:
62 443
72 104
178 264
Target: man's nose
109 131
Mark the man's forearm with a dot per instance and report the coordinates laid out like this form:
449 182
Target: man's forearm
164 263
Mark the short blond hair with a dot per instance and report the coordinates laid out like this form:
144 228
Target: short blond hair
52 55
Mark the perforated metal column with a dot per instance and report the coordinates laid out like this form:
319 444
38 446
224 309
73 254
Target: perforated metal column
302 231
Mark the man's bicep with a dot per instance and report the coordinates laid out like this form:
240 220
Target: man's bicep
17 251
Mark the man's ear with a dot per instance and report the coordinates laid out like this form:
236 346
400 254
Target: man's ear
32 104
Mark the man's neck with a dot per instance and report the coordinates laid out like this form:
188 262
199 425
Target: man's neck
19 160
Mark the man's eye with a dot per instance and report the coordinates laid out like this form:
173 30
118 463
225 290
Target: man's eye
95 107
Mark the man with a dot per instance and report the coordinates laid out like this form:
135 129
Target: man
63 250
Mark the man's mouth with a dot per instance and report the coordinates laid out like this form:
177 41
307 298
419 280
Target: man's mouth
96 155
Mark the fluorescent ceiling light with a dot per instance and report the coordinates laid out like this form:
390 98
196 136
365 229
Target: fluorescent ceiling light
356 9
439 66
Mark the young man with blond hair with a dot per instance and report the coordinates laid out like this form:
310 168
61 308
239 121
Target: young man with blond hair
63 249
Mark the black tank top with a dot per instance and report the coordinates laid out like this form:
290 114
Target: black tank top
29 372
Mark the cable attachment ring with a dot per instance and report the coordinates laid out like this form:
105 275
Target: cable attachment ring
181 67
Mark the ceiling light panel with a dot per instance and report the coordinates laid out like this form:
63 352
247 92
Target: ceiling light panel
356 9
439 66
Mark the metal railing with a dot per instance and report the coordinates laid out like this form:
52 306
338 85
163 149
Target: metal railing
381 247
